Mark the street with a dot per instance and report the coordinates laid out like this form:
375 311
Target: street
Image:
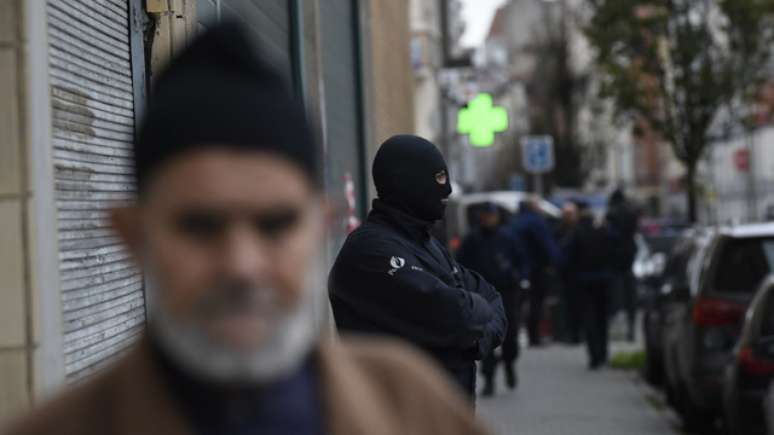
558 395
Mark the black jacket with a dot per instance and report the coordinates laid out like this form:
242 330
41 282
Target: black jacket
498 256
391 277
533 231
590 251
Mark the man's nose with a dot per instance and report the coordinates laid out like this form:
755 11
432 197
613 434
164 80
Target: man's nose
245 254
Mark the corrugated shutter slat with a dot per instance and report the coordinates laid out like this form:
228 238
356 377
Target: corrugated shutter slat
93 121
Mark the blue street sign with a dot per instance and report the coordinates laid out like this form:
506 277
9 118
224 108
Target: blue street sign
538 154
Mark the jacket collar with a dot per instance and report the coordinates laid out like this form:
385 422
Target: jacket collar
415 228
143 404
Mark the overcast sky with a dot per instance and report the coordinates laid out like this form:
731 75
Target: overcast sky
478 15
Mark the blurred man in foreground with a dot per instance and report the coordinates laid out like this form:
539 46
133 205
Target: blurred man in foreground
492 251
392 277
227 228
532 229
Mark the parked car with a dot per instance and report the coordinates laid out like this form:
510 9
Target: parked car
749 374
769 410
672 272
703 320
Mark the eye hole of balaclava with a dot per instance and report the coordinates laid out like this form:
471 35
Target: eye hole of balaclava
411 174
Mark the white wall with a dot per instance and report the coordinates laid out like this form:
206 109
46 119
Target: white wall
732 199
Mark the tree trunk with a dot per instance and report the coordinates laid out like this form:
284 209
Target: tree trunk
691 192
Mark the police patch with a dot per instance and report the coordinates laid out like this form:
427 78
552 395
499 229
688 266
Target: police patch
397 262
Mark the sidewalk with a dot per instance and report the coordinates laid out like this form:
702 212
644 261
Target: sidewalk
558 395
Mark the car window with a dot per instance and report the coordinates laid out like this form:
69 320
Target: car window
742 264
676 269
662 243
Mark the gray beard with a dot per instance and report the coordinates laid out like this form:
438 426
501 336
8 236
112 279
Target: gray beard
293 336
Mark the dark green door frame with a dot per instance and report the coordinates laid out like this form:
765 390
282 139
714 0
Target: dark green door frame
362 155
297 48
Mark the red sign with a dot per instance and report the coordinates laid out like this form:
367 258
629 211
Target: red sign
349 191
742 160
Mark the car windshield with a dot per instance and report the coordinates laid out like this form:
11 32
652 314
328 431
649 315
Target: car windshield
662 243
743 263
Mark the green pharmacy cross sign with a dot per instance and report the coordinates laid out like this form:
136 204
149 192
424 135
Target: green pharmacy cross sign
481 120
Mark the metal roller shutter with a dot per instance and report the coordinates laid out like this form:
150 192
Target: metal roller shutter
93 127
267 20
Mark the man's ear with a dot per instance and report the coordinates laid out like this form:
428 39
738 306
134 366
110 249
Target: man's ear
127 223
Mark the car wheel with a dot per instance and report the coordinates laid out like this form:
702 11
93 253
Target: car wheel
731 421
653 370
695 419
671 395
670 383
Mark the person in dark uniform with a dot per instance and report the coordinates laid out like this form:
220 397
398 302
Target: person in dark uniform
591 257
392 277
623 221
570 328
532 229
492 251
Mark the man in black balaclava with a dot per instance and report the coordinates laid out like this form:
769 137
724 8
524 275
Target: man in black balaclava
406 172
392 277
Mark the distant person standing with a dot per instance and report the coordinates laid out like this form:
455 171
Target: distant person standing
571 324
590 254
623 221
494 253
533 230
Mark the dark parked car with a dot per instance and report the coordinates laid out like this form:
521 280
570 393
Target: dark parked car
656 289
749 374
768 409
703 320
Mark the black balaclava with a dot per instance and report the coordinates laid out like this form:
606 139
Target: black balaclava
404 174
219 93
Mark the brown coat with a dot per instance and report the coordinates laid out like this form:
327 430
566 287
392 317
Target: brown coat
368 388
